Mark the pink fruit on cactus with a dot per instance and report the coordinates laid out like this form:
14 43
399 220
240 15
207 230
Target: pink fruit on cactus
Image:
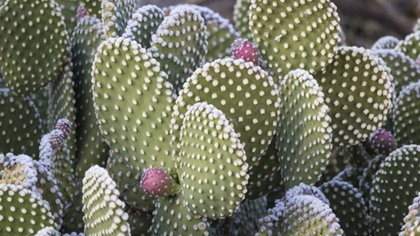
81 12
383 142
157 182
243 49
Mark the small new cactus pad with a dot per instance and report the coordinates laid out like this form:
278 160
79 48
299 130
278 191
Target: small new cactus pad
91 149
115 15
295 34
385 42
404 69
103 210
62 104
405 114
304 189
241 18
213 165
172 218
48 231
180 44
348 205
245 93
136 122
358 91
412 219
383 142
301 214
394 186
38 33
143 24
20 123
93 7
157 182
243 49
304 132
410 45
23 212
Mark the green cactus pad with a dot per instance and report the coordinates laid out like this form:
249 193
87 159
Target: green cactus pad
410 45
365 183
180 44
73 217
41 99
69 11
394 186
136 123
48 231
304 132
385 42
129 177
62 104
91 149
115 14
140 221
403 69
19 170
103 211
339 160
358 90
20 205
295 34
20 123
349 206
301 214
350 175
22 170
412 219
93 7
405 115
241 18
143 24
221 33
213 166
38 33
265 175
245 93
244 222
172 218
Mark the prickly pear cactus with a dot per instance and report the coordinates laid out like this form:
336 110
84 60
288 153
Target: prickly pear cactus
397 176
296 35
48 47
103 211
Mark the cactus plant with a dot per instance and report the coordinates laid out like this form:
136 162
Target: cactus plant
120 120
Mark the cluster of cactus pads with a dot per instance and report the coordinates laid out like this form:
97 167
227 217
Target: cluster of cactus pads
118 118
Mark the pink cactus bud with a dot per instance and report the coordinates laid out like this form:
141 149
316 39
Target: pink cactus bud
383 142
64 125
243 49
57 138
157 182
81 12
